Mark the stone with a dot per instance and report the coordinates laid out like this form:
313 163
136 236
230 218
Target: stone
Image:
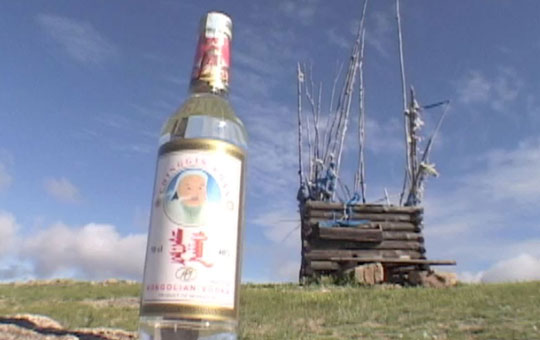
14 332
39 327
369 274
40 321
110 282
432 279
449 279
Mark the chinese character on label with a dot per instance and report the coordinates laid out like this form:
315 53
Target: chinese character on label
191 251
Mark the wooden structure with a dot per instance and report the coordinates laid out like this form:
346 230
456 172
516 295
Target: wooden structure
389 235
340 231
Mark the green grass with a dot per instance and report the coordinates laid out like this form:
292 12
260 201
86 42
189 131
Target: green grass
74 304
495 311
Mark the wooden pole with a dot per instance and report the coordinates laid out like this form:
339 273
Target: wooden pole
333 115
422 171
300 81
308 128
353 67
361 125
413 116
408 173
359 180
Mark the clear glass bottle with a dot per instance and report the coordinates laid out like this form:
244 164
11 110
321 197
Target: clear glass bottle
193 257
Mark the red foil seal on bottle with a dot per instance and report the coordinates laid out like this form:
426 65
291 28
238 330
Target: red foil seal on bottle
212 58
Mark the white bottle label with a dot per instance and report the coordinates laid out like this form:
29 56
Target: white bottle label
193 239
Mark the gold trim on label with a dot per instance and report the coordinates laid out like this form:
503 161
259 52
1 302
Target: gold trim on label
202 144
188 311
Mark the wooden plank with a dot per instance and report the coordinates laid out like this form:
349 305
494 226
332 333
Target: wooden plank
362 226
400 226
396 261
367 208
402 236
385 226
325 265
352 234
358 254
329 215
404 268
384 245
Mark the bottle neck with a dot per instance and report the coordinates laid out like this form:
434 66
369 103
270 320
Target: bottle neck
213 56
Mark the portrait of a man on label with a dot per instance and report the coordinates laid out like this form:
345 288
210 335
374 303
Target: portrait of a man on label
193 198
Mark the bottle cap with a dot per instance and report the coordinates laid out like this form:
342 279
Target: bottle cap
212 58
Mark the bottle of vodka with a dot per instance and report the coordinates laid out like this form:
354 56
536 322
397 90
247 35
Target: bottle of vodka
193 258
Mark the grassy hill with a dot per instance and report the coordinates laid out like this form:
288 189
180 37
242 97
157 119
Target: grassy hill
286 311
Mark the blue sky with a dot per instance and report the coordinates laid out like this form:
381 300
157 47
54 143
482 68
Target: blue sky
85 89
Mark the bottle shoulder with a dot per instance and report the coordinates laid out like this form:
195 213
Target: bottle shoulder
206 104
205 115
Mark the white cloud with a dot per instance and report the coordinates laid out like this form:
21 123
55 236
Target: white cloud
338 39
14 271
506 88
253 85
272 149
475 88
521 268
252 61
280 227
130 149
499 185
98 251
470 277
62 189
383 137
264 52
288 270
511 175
120 126
80 40
378 31
94 251
489 216
300 10
497 92
280 263
8 232
524 267
141 218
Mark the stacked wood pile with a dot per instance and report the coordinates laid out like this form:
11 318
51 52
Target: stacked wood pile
383 234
